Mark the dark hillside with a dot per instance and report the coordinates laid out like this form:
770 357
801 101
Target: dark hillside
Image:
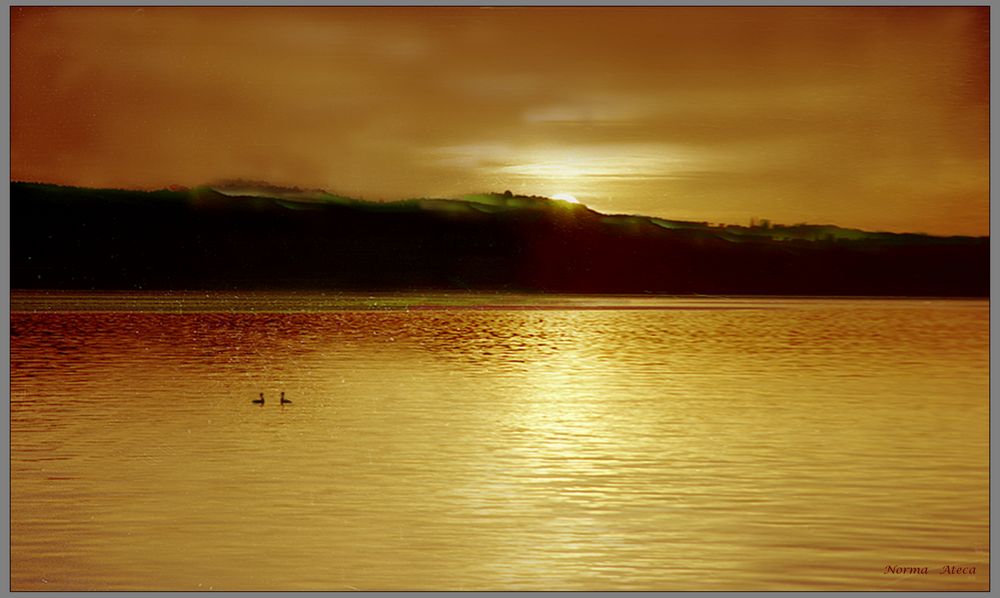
71 238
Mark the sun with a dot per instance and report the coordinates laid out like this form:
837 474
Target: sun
565 197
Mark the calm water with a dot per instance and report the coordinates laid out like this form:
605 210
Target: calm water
457 442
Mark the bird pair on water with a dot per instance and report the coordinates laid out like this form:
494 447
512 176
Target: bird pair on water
260 401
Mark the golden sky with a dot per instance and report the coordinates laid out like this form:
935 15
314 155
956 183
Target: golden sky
875 118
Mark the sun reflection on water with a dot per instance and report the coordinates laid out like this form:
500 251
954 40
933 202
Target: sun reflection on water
500 449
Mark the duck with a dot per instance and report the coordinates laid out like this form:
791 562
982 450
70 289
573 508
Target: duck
284 400
259 401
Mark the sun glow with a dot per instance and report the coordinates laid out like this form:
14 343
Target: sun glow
565 197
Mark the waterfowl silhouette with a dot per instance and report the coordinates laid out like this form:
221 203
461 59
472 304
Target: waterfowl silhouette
259 401
283 399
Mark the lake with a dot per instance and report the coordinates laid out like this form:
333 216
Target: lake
476 442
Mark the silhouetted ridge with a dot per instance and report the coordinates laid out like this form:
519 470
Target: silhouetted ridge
76 238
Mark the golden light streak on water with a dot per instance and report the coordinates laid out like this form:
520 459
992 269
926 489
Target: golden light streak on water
485 442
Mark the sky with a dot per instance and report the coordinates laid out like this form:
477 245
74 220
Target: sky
867 117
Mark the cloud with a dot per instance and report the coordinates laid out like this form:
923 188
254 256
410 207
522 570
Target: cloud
818 113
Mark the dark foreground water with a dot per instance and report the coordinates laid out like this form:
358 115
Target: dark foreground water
484 442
